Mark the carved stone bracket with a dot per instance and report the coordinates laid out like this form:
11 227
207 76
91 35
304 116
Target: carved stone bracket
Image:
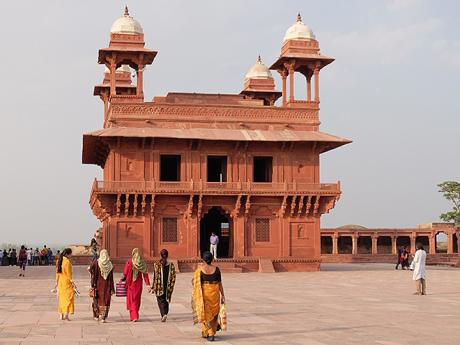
152 207
282 210
143 204
236 211
247 206
293 204
118 204
200 206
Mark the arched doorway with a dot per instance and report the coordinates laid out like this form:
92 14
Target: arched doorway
441 242
218 222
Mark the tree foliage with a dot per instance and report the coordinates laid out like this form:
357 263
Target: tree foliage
451 191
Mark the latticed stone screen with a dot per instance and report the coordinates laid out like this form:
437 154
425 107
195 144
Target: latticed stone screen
262 230
169 229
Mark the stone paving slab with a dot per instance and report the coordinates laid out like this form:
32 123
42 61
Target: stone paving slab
343 304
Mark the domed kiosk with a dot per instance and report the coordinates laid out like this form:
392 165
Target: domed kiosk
259 84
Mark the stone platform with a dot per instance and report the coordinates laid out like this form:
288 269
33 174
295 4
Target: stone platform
343 304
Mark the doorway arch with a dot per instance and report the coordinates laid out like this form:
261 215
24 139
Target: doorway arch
218 221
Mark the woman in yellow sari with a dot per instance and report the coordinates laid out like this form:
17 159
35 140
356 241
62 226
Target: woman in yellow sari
65 285
207 294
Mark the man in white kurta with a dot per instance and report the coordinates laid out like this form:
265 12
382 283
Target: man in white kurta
419 270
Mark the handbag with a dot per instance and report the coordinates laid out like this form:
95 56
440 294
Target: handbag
92 293
120 289
222 319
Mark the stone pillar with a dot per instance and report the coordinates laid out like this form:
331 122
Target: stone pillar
284 91
394 249
335 246
316 74
450 243
354 241
291 83
239 248
139 87
413 237
308 78
432 244
105 99
374 244
112 68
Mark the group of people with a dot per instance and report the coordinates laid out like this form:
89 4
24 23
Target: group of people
403 258
417 266
11 257
207 289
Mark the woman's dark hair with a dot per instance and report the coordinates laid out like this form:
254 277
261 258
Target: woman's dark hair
207 257
22 247
65 253
164 256
419 246
93 242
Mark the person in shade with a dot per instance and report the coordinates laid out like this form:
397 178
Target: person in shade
164 278
214 242
419 275
65 285
134 272
102 283
22 261
207 294
93 247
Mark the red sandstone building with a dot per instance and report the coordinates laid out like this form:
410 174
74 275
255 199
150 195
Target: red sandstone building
185 164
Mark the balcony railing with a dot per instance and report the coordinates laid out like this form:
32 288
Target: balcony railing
200 187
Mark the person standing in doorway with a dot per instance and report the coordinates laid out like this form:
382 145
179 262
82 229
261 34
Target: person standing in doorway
214 241
419 270
164 278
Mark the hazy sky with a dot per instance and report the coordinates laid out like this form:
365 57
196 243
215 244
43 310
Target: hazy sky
393 90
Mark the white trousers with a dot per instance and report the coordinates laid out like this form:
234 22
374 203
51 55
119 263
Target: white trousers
213 250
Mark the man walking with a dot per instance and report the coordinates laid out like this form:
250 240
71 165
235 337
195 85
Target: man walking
419 270
214 240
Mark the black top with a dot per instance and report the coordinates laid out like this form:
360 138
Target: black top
214 278
165 276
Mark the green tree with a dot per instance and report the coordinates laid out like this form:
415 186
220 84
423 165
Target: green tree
451 191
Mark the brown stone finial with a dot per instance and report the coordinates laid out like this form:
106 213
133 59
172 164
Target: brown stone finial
259 60
126 11
299 18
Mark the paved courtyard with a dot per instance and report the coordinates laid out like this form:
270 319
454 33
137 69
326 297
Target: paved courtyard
343 304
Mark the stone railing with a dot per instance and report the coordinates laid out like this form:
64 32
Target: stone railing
200 187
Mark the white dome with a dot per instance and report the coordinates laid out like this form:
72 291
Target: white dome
258 71
126 25
121 69
299 31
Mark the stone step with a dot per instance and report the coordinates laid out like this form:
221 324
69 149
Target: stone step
266 266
